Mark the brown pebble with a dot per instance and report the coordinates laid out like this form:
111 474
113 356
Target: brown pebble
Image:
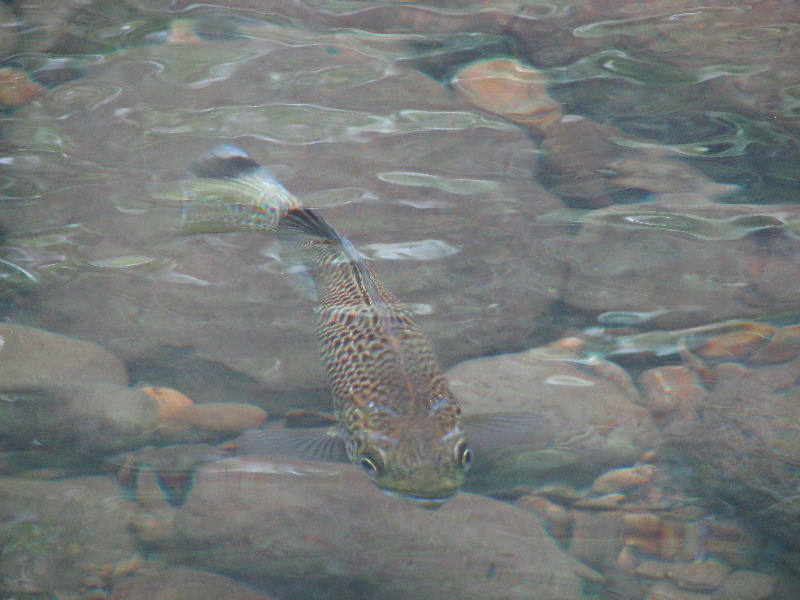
93 581
223 417
745 585
666 591
151 527
544 508
597 537
643 523
701 575
182 31
509 88
741 339
170 402
16 88
664 389
628 558
627 478
604 502
784 346
653 569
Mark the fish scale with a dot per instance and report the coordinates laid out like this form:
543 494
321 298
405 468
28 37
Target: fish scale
395 412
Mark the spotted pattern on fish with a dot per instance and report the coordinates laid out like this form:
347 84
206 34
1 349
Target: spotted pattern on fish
395 411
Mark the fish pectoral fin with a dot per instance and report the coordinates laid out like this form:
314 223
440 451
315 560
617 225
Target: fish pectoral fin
492 431
313 443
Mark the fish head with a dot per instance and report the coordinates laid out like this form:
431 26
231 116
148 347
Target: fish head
416 459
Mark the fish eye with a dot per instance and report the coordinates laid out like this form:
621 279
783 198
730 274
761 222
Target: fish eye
370 463
463 455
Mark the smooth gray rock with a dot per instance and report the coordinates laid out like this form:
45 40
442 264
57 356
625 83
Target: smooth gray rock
55 534
325 531
586 417
742 441
440 196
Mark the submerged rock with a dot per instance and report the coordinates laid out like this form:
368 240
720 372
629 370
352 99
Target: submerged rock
440 196
679 267
30 355
56 534
86 418
184 584
304 527
586 416
742 440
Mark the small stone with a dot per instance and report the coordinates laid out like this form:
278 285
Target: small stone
17 88
643 523
628 478
212 421
597 538
509 88
558 519
604 502
701 575
185 584
664 389
628 558
151 528
183 31
30 355
736 341
170 402
745 585
784 346
93 581
653 569
666 591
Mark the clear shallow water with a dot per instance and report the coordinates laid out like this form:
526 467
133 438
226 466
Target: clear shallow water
641 177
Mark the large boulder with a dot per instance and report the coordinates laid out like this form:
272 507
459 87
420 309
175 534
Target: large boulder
742 442
184 584
439 196
58 536
585 417
307 527
30 355
679 266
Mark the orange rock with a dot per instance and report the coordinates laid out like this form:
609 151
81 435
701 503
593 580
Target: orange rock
653 569
643 523
736 342
170 402
664 389
746 585
227 418
627 559
627 478
182 31
508 88
699 575
558 518
666 591
784 346
16 88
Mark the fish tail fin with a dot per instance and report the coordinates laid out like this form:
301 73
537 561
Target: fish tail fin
229 191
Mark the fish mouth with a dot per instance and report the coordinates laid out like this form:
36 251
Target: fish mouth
430 501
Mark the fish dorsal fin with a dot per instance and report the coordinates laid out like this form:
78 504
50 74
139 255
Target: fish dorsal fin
315 443
490 431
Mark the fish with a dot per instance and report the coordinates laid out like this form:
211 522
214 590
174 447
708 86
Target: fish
396 416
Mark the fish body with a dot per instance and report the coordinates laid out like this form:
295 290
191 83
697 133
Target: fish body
396 416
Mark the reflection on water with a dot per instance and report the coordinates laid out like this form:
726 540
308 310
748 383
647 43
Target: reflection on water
591 207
